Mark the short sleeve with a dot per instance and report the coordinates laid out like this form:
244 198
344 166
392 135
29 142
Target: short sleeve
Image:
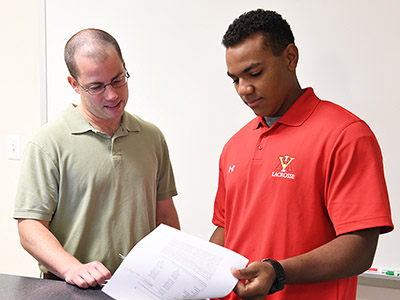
37 190
357 196
166 183
219 204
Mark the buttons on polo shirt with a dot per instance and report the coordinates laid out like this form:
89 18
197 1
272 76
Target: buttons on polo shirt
115 149
260 146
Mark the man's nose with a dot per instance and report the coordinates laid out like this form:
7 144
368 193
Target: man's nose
245 89
110 91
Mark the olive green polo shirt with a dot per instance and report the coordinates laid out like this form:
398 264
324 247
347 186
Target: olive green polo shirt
98 192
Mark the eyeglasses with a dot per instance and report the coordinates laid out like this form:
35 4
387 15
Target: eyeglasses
99 88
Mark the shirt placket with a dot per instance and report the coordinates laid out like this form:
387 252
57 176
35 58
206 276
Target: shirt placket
260 146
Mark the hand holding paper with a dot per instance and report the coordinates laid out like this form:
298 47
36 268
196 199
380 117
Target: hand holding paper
171 264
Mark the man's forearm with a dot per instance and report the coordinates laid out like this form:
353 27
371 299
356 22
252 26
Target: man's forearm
38 241
166 213
43 245
345 256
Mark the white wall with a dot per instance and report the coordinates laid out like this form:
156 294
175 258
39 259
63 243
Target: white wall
20 90
20 114
173 52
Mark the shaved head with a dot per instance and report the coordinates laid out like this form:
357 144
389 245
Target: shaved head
93 43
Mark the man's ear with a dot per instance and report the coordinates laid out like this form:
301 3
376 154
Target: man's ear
292 56
74 84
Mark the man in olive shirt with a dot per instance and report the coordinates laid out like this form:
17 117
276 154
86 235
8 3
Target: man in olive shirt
97 179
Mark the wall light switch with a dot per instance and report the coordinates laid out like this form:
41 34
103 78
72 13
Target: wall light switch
14 146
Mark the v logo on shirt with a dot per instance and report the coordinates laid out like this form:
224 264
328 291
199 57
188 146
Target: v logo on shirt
285 163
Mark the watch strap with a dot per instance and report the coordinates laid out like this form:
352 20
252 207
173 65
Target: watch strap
280 280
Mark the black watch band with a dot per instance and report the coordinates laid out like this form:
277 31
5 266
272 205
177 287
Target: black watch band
280 280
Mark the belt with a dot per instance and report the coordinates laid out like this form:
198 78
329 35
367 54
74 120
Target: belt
51 276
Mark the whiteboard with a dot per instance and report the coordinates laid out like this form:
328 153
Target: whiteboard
172 49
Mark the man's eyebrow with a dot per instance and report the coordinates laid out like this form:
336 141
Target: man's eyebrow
251 66
120 74
98 82
247 69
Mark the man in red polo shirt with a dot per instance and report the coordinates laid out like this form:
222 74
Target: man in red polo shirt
301 191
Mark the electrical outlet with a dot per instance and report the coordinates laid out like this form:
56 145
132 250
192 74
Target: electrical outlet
14 146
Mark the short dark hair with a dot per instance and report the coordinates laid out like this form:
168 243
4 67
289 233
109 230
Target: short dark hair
96 41
275 30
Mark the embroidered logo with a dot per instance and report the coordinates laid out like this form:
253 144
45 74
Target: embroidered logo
284 168
231 168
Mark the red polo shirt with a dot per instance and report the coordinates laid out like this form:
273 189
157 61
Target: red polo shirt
285 190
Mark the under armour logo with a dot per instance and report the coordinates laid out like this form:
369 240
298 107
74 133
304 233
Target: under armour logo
231 169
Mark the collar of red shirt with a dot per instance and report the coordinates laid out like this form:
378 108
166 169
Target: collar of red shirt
299 112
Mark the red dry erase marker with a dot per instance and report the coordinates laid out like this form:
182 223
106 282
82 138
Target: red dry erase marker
373 269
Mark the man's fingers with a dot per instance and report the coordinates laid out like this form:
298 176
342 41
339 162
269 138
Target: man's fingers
254 281
89 275
249 272
100 273
78 281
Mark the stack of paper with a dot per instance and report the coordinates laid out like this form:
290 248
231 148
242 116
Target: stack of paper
170 264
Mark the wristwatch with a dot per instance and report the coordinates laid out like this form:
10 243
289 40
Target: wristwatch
280 280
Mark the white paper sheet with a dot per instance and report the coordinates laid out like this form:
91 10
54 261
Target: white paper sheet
171 264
